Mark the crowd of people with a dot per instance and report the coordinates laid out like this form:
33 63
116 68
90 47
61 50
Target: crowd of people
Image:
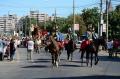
8 47
113 46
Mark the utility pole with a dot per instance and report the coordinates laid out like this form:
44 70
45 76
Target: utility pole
25 25
55 21
30 26
107 19
101 18
73 18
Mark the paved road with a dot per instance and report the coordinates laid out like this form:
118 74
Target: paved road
41 68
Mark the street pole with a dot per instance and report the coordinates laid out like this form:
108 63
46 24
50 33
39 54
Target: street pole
101 19
25 25
30 26
73 19
107 19
55 21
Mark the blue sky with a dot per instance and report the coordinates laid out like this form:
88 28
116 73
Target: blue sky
63 7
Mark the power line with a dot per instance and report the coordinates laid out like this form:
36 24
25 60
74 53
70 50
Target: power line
19 6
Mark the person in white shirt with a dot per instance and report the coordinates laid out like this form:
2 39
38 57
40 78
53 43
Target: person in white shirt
110 47
30 48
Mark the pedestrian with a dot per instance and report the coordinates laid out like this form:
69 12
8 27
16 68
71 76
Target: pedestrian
110 47
30 48
12 49
1 49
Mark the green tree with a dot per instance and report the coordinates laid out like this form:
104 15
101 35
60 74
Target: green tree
91 17
114 22
78 20
27 24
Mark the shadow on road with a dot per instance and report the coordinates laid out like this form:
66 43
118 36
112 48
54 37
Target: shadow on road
85 77
106 58
70 65
36 66
44 61
79 61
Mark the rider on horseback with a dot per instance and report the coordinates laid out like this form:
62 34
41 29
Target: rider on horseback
90 46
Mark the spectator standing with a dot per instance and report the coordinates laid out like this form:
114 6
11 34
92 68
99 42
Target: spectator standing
110 47
12 49
30 48
1 49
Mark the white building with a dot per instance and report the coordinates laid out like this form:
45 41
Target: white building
7 23
40 17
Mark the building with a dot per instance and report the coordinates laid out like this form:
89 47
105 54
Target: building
40 17
7 24
19 24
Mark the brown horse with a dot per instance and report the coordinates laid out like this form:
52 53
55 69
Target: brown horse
54 49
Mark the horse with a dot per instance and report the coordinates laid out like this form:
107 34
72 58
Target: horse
101 42
90 49
55 51
93 49
70 47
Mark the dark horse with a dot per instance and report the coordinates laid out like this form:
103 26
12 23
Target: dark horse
70 47
55 51
91 50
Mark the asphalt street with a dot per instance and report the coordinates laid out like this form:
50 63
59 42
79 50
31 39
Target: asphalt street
41 68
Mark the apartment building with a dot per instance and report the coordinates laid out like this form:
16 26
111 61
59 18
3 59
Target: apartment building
40 17
7 23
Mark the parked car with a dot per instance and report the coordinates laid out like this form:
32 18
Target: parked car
78 43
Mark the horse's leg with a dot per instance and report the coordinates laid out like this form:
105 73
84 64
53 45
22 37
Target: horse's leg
91 58
56 58
82 55
96 58
46 49
71 55
53 59
87 57
96 54
68 54
59 55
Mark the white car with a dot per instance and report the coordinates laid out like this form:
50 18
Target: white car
78 43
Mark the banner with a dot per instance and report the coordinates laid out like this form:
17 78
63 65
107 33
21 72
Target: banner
104 28
76 26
